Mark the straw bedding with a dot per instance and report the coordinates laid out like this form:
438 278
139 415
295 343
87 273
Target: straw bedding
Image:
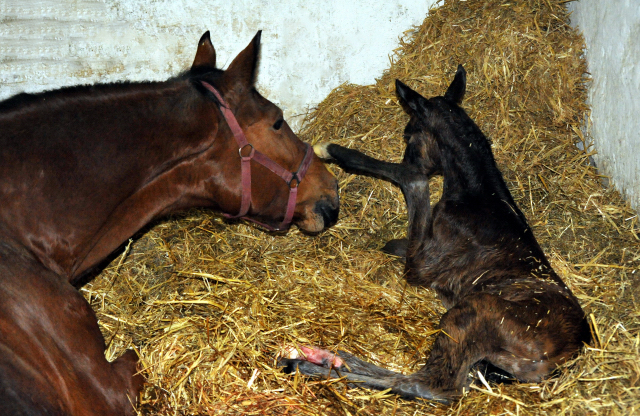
208 304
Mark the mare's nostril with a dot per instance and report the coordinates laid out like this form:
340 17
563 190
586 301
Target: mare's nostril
328 211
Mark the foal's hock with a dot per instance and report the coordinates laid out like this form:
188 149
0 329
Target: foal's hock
506 305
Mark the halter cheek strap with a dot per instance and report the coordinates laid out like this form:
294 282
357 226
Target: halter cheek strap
248 153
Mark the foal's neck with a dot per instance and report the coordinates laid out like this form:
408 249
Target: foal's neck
469 169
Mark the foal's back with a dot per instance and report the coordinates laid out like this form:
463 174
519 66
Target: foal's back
478 236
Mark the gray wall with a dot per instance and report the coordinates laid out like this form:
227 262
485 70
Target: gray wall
611 30
309 47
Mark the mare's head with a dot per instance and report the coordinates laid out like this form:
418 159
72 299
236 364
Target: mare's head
295 186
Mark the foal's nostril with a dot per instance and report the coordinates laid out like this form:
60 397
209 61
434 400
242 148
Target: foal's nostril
329 212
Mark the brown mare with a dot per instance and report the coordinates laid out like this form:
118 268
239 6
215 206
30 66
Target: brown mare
83 168
506 306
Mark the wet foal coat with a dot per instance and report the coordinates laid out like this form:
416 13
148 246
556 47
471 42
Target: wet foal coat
84 168
506 305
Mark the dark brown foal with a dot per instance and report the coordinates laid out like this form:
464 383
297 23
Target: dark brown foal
506 305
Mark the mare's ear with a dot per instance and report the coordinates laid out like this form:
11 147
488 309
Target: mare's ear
456 90
242 71
206 54
409 99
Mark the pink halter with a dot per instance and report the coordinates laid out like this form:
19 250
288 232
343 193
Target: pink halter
292 179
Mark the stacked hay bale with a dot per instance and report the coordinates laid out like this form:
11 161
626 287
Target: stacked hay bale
208 304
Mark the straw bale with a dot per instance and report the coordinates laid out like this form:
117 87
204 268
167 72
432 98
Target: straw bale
208 304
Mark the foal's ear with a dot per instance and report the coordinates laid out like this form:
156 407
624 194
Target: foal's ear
242 70
409 99
456 90
206 54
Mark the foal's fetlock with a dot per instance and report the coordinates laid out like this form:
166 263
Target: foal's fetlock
413 389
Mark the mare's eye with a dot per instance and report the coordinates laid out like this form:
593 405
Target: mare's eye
278 124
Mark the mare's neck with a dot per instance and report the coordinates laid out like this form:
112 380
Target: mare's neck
117 158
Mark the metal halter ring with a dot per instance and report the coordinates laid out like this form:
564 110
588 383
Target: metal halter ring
251 153
294 182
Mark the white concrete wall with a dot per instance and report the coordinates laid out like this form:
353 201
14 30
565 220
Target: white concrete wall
309 47
612 34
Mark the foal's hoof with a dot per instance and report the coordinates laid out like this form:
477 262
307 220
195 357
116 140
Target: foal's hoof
309 361
314 355
321 151
397 247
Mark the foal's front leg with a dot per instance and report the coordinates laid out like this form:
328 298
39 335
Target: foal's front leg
357 162
413 183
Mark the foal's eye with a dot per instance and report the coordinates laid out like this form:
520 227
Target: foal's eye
278 124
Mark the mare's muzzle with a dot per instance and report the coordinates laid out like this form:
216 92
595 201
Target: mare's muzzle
328 210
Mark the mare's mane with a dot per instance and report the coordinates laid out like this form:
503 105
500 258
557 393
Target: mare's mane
24 100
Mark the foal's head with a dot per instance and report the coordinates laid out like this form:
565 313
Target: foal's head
266 131
442 139
438 126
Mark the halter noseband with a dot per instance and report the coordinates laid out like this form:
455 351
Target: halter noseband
292 179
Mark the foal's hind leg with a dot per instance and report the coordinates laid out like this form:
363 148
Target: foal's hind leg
480 327
521 337
467 336
462 342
